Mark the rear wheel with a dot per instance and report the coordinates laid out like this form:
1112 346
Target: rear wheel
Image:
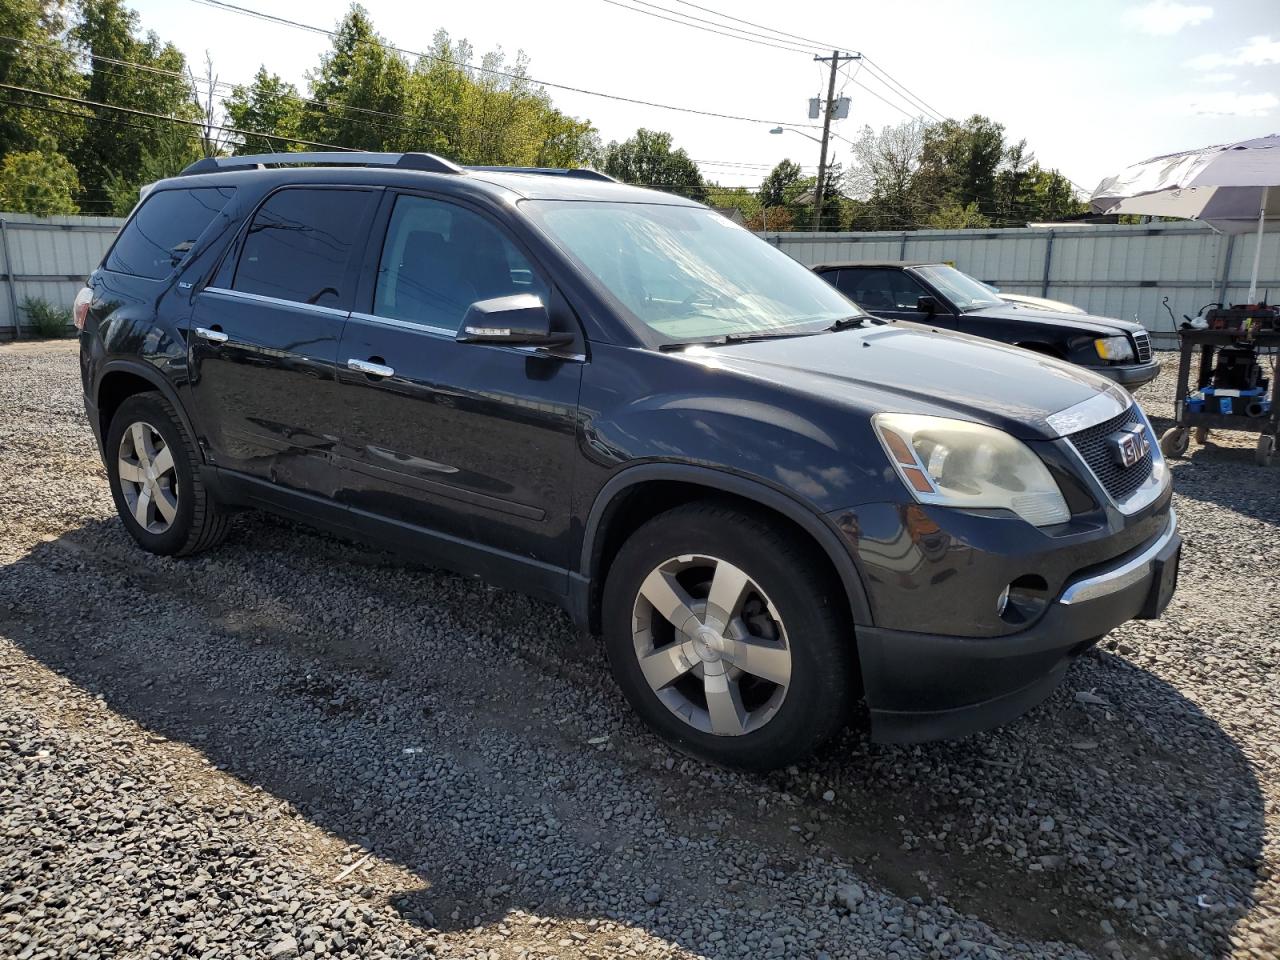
153 468
722 631
1264 452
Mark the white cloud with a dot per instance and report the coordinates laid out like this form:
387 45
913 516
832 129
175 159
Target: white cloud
1258 51
1223 104
1164 17
1218 77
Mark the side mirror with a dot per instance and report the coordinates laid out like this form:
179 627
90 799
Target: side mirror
520 319
927 304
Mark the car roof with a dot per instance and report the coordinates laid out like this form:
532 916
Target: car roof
849 264
416 170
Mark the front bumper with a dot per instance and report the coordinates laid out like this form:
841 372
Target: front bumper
1131 375
922 686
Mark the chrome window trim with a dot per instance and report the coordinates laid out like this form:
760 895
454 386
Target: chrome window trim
1122 576
1099 408
277 301
444 333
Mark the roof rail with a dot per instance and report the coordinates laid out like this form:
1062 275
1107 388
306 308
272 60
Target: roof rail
428 162
552 172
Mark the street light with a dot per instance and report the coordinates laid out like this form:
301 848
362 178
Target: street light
790 130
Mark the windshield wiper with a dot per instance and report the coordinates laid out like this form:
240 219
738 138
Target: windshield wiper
730 338
848 323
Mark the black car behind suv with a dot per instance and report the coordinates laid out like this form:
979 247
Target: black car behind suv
621 401
941 296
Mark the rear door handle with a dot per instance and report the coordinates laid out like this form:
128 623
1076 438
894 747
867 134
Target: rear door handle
213 336
371 368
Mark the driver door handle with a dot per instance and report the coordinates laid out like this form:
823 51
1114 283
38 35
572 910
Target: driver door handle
371 368
213 336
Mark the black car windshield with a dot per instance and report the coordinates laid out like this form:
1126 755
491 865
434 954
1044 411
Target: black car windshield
964 292
689 274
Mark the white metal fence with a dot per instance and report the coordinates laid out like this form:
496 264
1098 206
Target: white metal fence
1117 271
1114 271
47 258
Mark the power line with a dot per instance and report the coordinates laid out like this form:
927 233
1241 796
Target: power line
160 116
885 78
695 26
273 18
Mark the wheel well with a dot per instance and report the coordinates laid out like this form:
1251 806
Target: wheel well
640 502
116 387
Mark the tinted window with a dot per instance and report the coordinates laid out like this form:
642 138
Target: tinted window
162 232
439 259
880 289
299 245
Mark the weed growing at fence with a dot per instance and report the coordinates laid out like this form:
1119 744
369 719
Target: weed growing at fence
44 320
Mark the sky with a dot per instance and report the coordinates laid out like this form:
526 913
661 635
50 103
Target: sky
1093 86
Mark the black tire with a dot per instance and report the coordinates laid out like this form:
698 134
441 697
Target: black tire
807 598
199 522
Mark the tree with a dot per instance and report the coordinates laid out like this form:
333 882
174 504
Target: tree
741 199
776 183
362 87
36 58
955 217
42 182
959 161
648 159
883 176
270 106
113 143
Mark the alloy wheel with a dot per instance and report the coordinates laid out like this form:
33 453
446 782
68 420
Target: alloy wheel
711 645
148 479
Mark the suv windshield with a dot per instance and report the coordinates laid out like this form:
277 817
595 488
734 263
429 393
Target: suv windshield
964 292
689 274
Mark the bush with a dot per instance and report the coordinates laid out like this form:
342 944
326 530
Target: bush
44 320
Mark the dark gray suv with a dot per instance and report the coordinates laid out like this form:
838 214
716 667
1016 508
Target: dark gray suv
619 400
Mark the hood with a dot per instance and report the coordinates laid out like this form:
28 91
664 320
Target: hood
1080 322
910 368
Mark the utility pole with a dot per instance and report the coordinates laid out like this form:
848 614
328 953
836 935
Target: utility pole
835 60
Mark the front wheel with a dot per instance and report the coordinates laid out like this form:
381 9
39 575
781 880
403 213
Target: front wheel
153 468
1174 442
1265 450
727 636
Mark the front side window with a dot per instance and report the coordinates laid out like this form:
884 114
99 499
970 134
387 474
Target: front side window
440 258
300 244
687 273
165 227
874 289
960 288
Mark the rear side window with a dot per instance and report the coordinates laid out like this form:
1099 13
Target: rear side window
299 245
161 234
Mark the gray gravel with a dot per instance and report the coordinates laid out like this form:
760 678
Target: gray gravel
297 747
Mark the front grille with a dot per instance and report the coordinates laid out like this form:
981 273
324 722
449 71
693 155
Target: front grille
1091 443
1143 344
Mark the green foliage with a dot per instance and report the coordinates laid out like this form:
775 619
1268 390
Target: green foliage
647 159
44 320
269 105
745 201
42 182
955 217
113 145
37 59
774 187
165 159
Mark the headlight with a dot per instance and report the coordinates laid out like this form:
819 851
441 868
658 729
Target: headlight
961 464
1117 349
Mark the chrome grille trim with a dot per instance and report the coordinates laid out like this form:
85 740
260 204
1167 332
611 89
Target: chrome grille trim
1131 489
1142 346
1097 409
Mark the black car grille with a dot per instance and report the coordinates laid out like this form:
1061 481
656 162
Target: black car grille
1143 344
1091 443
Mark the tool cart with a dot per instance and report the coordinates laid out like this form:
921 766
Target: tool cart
1235 387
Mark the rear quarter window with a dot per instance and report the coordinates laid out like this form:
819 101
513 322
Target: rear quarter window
160 235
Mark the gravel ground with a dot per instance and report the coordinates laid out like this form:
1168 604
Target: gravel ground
294 746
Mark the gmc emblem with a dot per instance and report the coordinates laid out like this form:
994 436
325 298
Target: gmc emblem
1129 446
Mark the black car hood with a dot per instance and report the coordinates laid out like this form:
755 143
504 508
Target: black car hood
1080 322
910 368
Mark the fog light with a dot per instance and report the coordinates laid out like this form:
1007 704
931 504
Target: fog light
1002 601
